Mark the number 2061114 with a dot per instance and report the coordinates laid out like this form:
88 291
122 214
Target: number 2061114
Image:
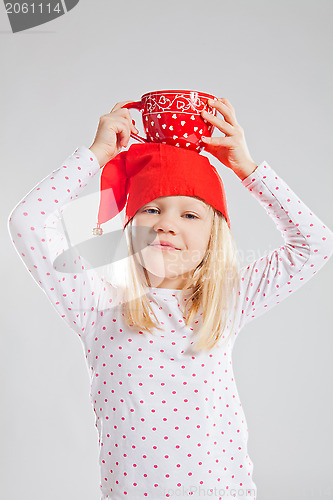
32 8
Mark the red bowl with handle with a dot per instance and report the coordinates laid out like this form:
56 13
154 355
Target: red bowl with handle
173 117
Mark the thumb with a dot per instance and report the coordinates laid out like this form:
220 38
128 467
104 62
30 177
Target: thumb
208 144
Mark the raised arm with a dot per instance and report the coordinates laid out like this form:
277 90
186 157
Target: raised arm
35 227
308 245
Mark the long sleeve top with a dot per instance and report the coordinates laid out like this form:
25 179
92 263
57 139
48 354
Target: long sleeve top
170 421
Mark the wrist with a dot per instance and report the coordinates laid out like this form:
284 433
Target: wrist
246 170
100 155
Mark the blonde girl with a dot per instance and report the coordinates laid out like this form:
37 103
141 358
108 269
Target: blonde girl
159 351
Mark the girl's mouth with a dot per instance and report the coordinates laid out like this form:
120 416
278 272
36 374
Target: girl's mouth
163 247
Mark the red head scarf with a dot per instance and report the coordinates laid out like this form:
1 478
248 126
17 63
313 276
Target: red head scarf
150 170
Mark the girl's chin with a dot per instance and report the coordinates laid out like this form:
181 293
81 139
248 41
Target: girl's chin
160 271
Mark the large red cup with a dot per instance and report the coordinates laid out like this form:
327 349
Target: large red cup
173 117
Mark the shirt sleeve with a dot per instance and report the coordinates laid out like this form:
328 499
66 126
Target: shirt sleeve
34 226
308 245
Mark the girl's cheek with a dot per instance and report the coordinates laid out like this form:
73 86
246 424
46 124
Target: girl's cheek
196 254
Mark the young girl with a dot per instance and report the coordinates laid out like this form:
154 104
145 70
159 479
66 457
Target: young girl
159 350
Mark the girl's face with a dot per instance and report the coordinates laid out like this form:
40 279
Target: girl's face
185 222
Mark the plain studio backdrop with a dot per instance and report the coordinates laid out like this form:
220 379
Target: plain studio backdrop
272 60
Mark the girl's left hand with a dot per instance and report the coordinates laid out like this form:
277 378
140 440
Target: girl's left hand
232 149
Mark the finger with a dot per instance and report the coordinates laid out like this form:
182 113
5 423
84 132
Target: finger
130 129
228 103
122 131
127 115
222 125
120 105
224 109
134 130
125 134
123 138
211 149
215 141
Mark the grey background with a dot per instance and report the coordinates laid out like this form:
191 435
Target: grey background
272 60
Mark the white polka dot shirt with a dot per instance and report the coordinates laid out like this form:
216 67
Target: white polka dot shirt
169 420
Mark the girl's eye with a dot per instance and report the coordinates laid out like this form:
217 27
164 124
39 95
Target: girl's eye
147 209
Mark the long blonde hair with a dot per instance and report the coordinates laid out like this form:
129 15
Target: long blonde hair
215 281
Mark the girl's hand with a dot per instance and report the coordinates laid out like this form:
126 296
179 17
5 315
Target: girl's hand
113 133
231 149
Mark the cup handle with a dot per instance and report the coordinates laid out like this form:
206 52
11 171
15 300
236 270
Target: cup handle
135 105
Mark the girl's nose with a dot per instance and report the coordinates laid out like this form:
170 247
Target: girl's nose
165 223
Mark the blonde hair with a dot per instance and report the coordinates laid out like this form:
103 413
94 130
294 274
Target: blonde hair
215 281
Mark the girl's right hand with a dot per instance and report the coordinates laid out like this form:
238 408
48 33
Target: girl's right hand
113 133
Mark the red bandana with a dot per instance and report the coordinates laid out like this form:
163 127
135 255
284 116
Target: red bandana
150 170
